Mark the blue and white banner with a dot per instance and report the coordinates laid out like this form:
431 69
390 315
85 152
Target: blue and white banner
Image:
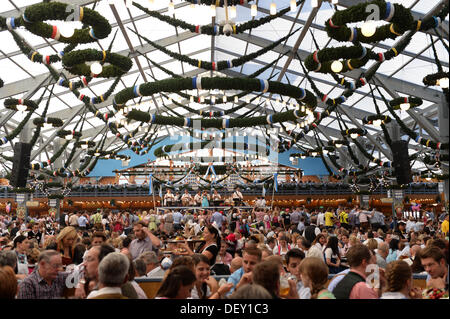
150 184
160 192
275 181
263 191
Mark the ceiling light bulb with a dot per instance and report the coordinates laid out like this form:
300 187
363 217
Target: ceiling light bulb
191 99
273 8
254 10
303 156
405 106
171 9
336 66
314 154
443 83
213 99
84 146
291 159
338 145
354 135
293 6
236 99
224 99
324 152
369 28
96 68
202 99
377 122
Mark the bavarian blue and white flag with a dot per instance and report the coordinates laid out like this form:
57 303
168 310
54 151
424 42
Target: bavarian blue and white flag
160 192
150 184
264 191
275 181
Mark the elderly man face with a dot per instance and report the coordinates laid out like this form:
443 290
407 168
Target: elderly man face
49 270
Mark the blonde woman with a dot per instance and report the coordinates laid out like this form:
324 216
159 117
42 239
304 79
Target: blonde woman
65 244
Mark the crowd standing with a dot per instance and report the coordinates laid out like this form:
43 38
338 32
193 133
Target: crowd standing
262 252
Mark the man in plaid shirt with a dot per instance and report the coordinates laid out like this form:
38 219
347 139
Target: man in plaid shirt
47 281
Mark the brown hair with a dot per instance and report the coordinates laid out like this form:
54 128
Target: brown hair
317 272
432 252
267 274
372 244
253 251
397 273
356 254
9 283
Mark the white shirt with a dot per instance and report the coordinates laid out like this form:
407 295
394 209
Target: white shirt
104 291
140 292
321 219
157 272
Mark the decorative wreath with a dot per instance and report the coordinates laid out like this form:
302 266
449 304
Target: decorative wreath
216 29
400 17
75 63
371 118
413 102
359 131
63 133
34 16
11 104
220 83
55 122
432 79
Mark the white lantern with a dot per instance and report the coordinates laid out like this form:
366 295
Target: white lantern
21 108
84 146
171 9
324 152
66 30
377 122
96 68
369 28
224 99
354 135
314 154
443 83
293 6
405 106
236 99
233 12
273 8
338 145
213 10
336 66
254 10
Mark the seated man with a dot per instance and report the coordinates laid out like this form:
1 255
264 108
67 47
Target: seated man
47 281
237 197
112 274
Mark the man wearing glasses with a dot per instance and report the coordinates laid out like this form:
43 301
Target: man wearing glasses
47 281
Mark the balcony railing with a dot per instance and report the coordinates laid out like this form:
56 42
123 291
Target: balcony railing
283 189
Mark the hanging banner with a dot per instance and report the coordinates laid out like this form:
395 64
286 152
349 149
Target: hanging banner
275 181
150 184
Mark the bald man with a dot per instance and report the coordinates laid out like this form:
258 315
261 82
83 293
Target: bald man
381 254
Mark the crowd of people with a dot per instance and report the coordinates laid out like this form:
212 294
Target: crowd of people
258 252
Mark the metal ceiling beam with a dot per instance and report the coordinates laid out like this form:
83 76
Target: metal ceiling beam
22 86
397 84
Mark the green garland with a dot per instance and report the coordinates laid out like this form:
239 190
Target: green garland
220 65
163 151
176 85
413 102
220 3
40 121
20 190
34 16
371 118
432 79
64 133
74 62
401 21
359 131
11 104
88 143
214 30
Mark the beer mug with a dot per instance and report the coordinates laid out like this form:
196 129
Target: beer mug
284 285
